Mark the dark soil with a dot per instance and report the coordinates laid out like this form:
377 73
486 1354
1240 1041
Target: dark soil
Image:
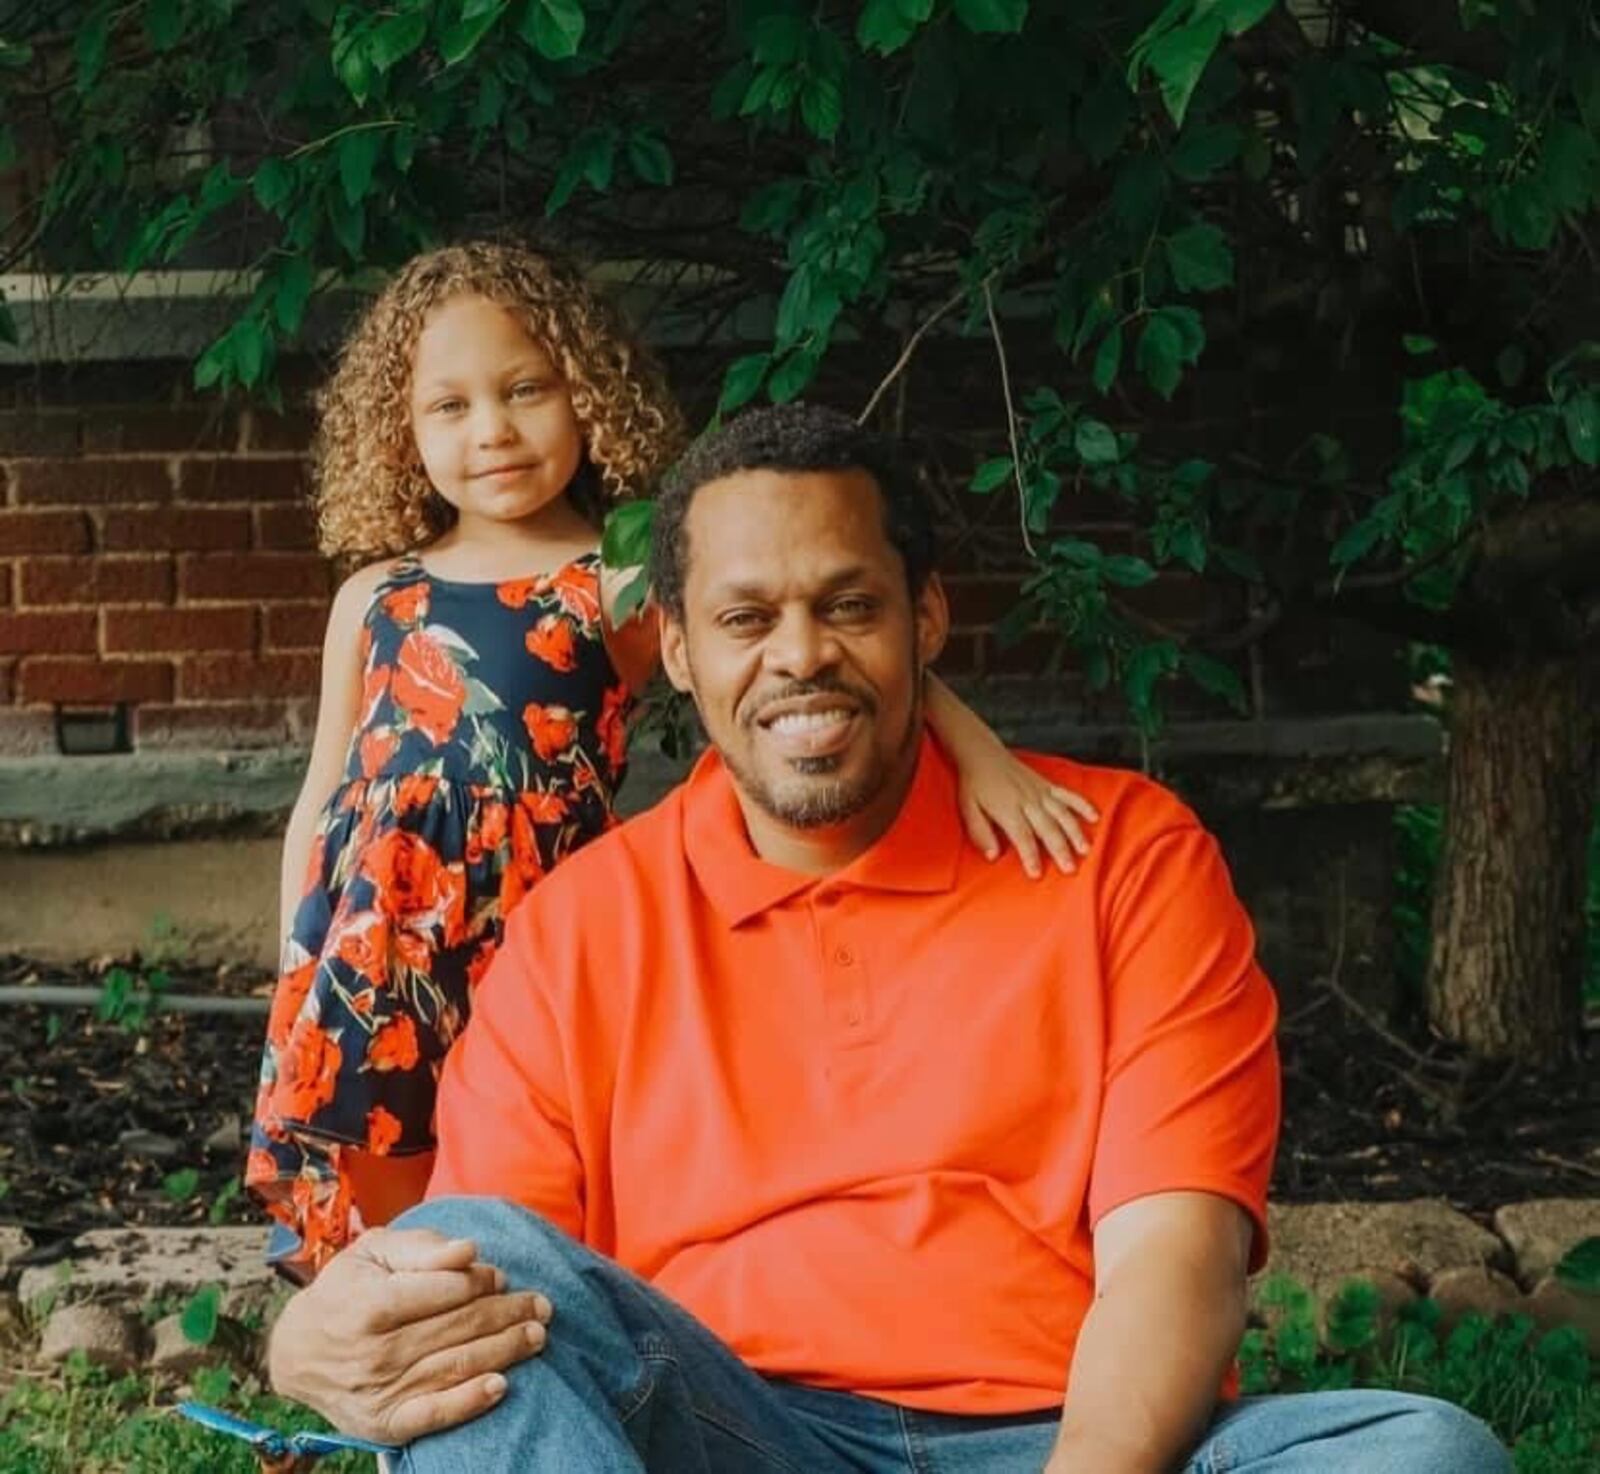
103 1123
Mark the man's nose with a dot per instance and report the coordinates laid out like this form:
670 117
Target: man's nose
800 647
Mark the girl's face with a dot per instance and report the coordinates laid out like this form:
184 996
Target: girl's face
490 413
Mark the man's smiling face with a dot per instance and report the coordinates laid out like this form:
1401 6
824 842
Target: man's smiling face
801 643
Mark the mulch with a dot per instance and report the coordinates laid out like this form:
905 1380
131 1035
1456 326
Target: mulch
107 1125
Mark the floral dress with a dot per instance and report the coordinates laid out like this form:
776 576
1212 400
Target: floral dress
489 744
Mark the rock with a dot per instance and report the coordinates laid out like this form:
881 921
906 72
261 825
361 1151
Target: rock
227 1140
1554 1304
148 1145
143 1263
1542 1231
14 1243
1462 1291
1323 1244
174 1353
108 1338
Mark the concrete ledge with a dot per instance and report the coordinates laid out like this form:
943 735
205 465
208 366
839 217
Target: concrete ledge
53 801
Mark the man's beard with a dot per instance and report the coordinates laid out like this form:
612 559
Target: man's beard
814 805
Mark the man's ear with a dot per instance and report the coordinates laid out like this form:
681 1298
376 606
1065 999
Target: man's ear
675 653
933 620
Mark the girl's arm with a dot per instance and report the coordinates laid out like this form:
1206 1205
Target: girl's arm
338 709
997 789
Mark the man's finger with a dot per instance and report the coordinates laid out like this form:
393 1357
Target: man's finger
458 1364
422 1295
404 1249
428 1412
469 1323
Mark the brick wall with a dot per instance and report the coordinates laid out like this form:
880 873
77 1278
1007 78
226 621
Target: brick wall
159 554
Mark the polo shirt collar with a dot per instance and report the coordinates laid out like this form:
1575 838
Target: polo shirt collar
919 853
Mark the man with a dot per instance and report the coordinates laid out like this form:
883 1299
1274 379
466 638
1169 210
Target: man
797 1137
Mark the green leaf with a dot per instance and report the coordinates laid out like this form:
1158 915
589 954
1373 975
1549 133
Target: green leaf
1179 58
1580 1266
163 23
1126 571
214 363
358 155
199 1319
295 280
396 38
650 159
794 308
1204 149
349 222
354 66
631 597
1581 415
886 25
822 107
249 351
742 380
1108 359
791 377
992 16
461 40
625 539
1214 676
273 183
991 475
181 1185
1357 541
90 49
554 28
1417 345
1096 443
1200 258
1160 355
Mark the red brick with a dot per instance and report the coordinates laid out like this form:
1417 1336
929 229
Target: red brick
6 667
86 483
230 677
53 633
254 576
174 529
154 428
212 724
92 682
43 532
291 526
242 479
961 656
267 431
95 581
34 432
296 626
149 631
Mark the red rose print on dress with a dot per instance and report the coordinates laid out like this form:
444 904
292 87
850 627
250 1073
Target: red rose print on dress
383 1131
552 641
612 727
579 593
394 1046
428 686
408 605
416 887
307 1072
552 728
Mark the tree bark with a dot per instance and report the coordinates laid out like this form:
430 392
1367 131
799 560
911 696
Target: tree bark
1506 972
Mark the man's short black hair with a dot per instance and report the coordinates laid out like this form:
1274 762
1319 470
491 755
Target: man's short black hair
789 437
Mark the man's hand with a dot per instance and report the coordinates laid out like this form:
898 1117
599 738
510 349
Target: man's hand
402 1334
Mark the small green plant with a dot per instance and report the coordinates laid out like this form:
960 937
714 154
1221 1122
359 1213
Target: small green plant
201 1315
1538 1392
218 1211
181 1185
1580 1266
128 999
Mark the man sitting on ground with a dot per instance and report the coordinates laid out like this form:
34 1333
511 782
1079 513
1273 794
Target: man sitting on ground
795 1136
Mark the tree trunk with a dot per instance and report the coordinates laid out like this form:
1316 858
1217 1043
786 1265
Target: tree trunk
1505 976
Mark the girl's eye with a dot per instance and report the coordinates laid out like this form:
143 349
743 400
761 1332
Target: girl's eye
449 406
526 389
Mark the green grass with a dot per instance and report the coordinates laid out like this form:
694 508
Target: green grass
1538 1392
87 1421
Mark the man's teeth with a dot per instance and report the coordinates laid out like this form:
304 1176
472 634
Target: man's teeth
809 721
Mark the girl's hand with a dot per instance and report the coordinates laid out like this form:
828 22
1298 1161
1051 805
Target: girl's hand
1028 809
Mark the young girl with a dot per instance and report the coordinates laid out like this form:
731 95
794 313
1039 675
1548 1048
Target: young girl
474 698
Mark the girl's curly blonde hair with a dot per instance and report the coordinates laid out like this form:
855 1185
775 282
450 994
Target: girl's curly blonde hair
373 498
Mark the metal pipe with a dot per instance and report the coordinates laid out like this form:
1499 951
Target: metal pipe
53 996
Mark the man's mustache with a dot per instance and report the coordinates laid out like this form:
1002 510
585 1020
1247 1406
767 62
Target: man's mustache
796 690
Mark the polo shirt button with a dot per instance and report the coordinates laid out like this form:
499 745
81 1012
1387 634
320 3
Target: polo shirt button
845 958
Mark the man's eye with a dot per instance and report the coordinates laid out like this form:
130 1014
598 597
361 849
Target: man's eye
853 607
741 620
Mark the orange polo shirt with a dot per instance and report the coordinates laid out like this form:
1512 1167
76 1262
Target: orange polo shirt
862 1125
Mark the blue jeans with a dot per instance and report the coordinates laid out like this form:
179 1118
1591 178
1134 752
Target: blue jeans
629 1381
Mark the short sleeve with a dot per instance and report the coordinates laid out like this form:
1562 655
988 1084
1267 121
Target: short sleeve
504 1119
1191 1089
